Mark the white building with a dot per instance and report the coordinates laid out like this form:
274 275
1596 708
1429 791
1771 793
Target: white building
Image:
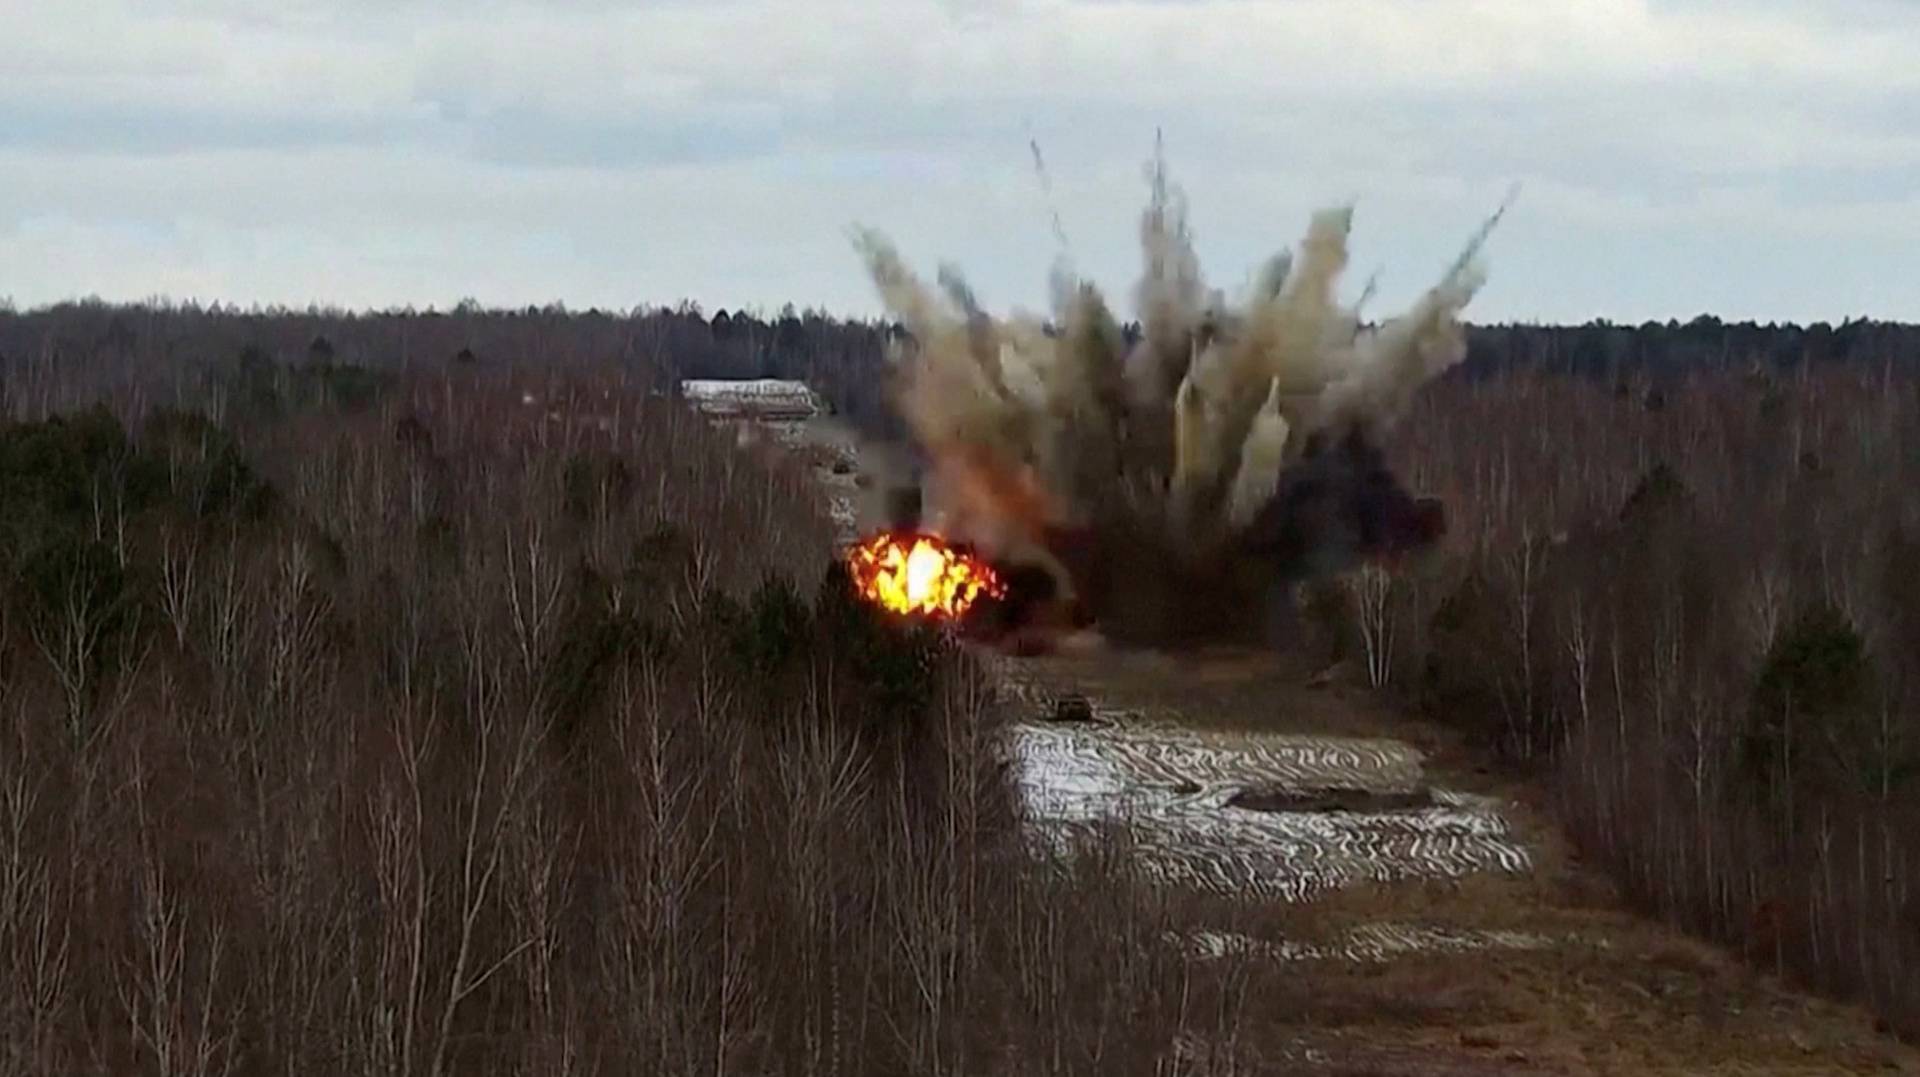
759 399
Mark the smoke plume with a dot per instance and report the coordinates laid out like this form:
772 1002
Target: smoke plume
1166 482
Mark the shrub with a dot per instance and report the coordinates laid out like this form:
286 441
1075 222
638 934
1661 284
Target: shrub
1659 493
82 611
887 664
1327 610
204 466
1467 652
594 485
596 640
56 476
1812 702
773 631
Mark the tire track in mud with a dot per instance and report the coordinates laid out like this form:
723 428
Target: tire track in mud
1373 943
1170 789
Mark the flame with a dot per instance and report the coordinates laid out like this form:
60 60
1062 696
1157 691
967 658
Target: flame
920 574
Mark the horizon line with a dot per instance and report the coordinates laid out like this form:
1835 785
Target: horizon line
689 307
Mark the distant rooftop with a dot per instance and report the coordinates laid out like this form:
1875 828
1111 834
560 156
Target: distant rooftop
754 398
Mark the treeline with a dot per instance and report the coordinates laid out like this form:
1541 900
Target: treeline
1693 605
101 348
1675 349
367 718
845 360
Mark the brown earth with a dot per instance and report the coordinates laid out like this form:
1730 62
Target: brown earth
1615 994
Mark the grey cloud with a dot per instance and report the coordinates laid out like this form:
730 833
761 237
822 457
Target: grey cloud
603 152
1851 13
1815 185
547 137
137 129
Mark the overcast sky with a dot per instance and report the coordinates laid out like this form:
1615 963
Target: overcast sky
1749 158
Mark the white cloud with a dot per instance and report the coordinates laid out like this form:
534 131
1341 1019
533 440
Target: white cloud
369 152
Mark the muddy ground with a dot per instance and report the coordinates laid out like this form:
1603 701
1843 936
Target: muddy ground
1433 919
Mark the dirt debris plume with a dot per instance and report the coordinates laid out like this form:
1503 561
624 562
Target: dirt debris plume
1168 478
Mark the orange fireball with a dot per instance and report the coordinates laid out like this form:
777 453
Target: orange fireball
920 574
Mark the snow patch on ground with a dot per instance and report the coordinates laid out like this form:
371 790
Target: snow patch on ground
1371 943
1169 788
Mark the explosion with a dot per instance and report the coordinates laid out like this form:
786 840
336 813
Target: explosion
920 574
1168 478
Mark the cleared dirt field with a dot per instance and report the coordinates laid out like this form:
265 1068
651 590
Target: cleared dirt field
1349 810
1402 908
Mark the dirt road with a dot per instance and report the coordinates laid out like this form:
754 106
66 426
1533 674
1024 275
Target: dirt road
1439 923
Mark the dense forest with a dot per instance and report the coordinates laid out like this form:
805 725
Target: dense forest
368 708
1687 596
845 360
426 556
